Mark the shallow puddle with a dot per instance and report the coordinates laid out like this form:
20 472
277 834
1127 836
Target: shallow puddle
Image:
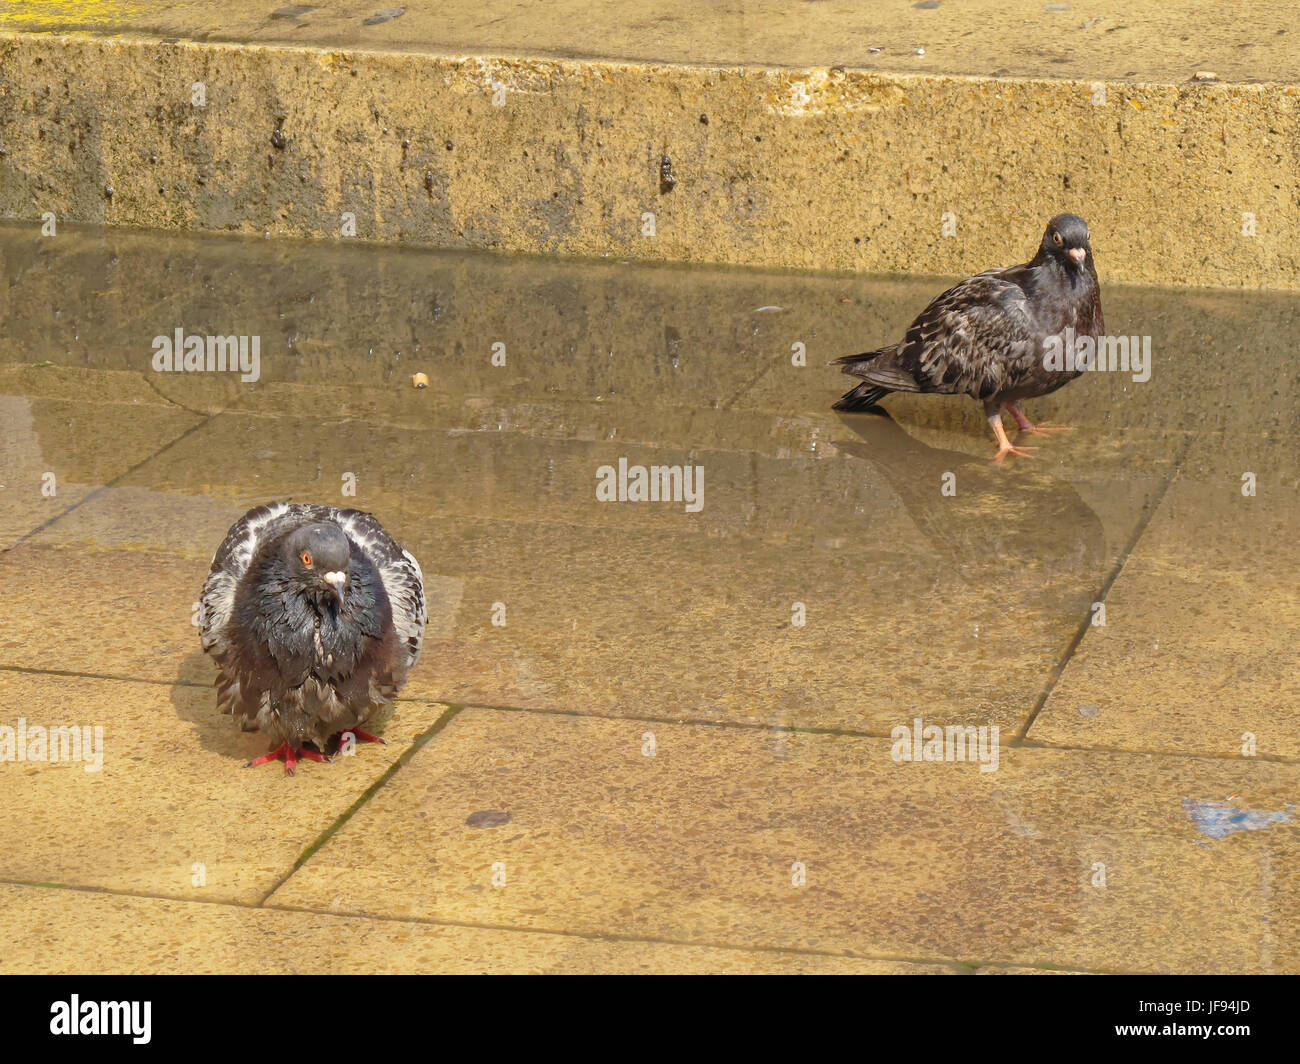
1130 589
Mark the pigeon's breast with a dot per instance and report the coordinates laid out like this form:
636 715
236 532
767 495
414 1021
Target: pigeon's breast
337 645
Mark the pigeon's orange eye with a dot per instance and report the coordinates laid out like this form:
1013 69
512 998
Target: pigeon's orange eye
1056 239
306 558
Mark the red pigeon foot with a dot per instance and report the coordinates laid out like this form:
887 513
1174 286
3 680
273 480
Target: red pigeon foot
1004 444
336 742
1028 426
286 753
366 737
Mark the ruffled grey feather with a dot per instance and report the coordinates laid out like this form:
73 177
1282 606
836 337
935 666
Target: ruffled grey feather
297 660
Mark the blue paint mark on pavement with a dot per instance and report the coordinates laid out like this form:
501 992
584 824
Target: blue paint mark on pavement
1220 819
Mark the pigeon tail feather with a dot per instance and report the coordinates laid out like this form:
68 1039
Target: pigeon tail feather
864 397
848 360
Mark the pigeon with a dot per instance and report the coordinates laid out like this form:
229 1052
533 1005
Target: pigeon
314 616
986 337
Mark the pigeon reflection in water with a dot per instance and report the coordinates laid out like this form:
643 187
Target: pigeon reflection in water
1033 530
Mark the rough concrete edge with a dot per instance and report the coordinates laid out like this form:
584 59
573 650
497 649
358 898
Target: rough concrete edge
628 66
138 35
586 68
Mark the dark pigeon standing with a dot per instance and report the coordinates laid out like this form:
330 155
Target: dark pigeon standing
314 616
985 337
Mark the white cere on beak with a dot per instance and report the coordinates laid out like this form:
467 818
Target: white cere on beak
1078 254
336 581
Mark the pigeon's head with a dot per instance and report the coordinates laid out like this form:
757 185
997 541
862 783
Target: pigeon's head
317 557
1066 242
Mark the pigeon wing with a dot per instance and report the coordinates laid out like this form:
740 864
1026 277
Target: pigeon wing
978 338
229 565
400 572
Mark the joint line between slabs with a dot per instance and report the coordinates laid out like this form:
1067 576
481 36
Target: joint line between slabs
148 380
690 722
445 718
964 967
745 389
1058 670
104 487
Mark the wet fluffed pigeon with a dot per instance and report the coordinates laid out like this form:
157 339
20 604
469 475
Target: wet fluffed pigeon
987 337
314 617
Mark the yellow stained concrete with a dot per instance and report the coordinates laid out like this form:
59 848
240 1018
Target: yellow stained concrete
49 931
1159 40
171 791
1199 645
489 476
71 614
701 842
593 351
808 166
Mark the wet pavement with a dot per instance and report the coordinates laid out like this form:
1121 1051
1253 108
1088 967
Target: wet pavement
683 726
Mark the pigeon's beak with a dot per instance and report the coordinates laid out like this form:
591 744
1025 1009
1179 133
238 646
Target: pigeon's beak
337 582
1078 254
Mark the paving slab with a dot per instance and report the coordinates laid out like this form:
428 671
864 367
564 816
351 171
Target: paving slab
51 931
55 452
489 475
955 608
607 611
344 326
591 350
1198 649
564 823
169 803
